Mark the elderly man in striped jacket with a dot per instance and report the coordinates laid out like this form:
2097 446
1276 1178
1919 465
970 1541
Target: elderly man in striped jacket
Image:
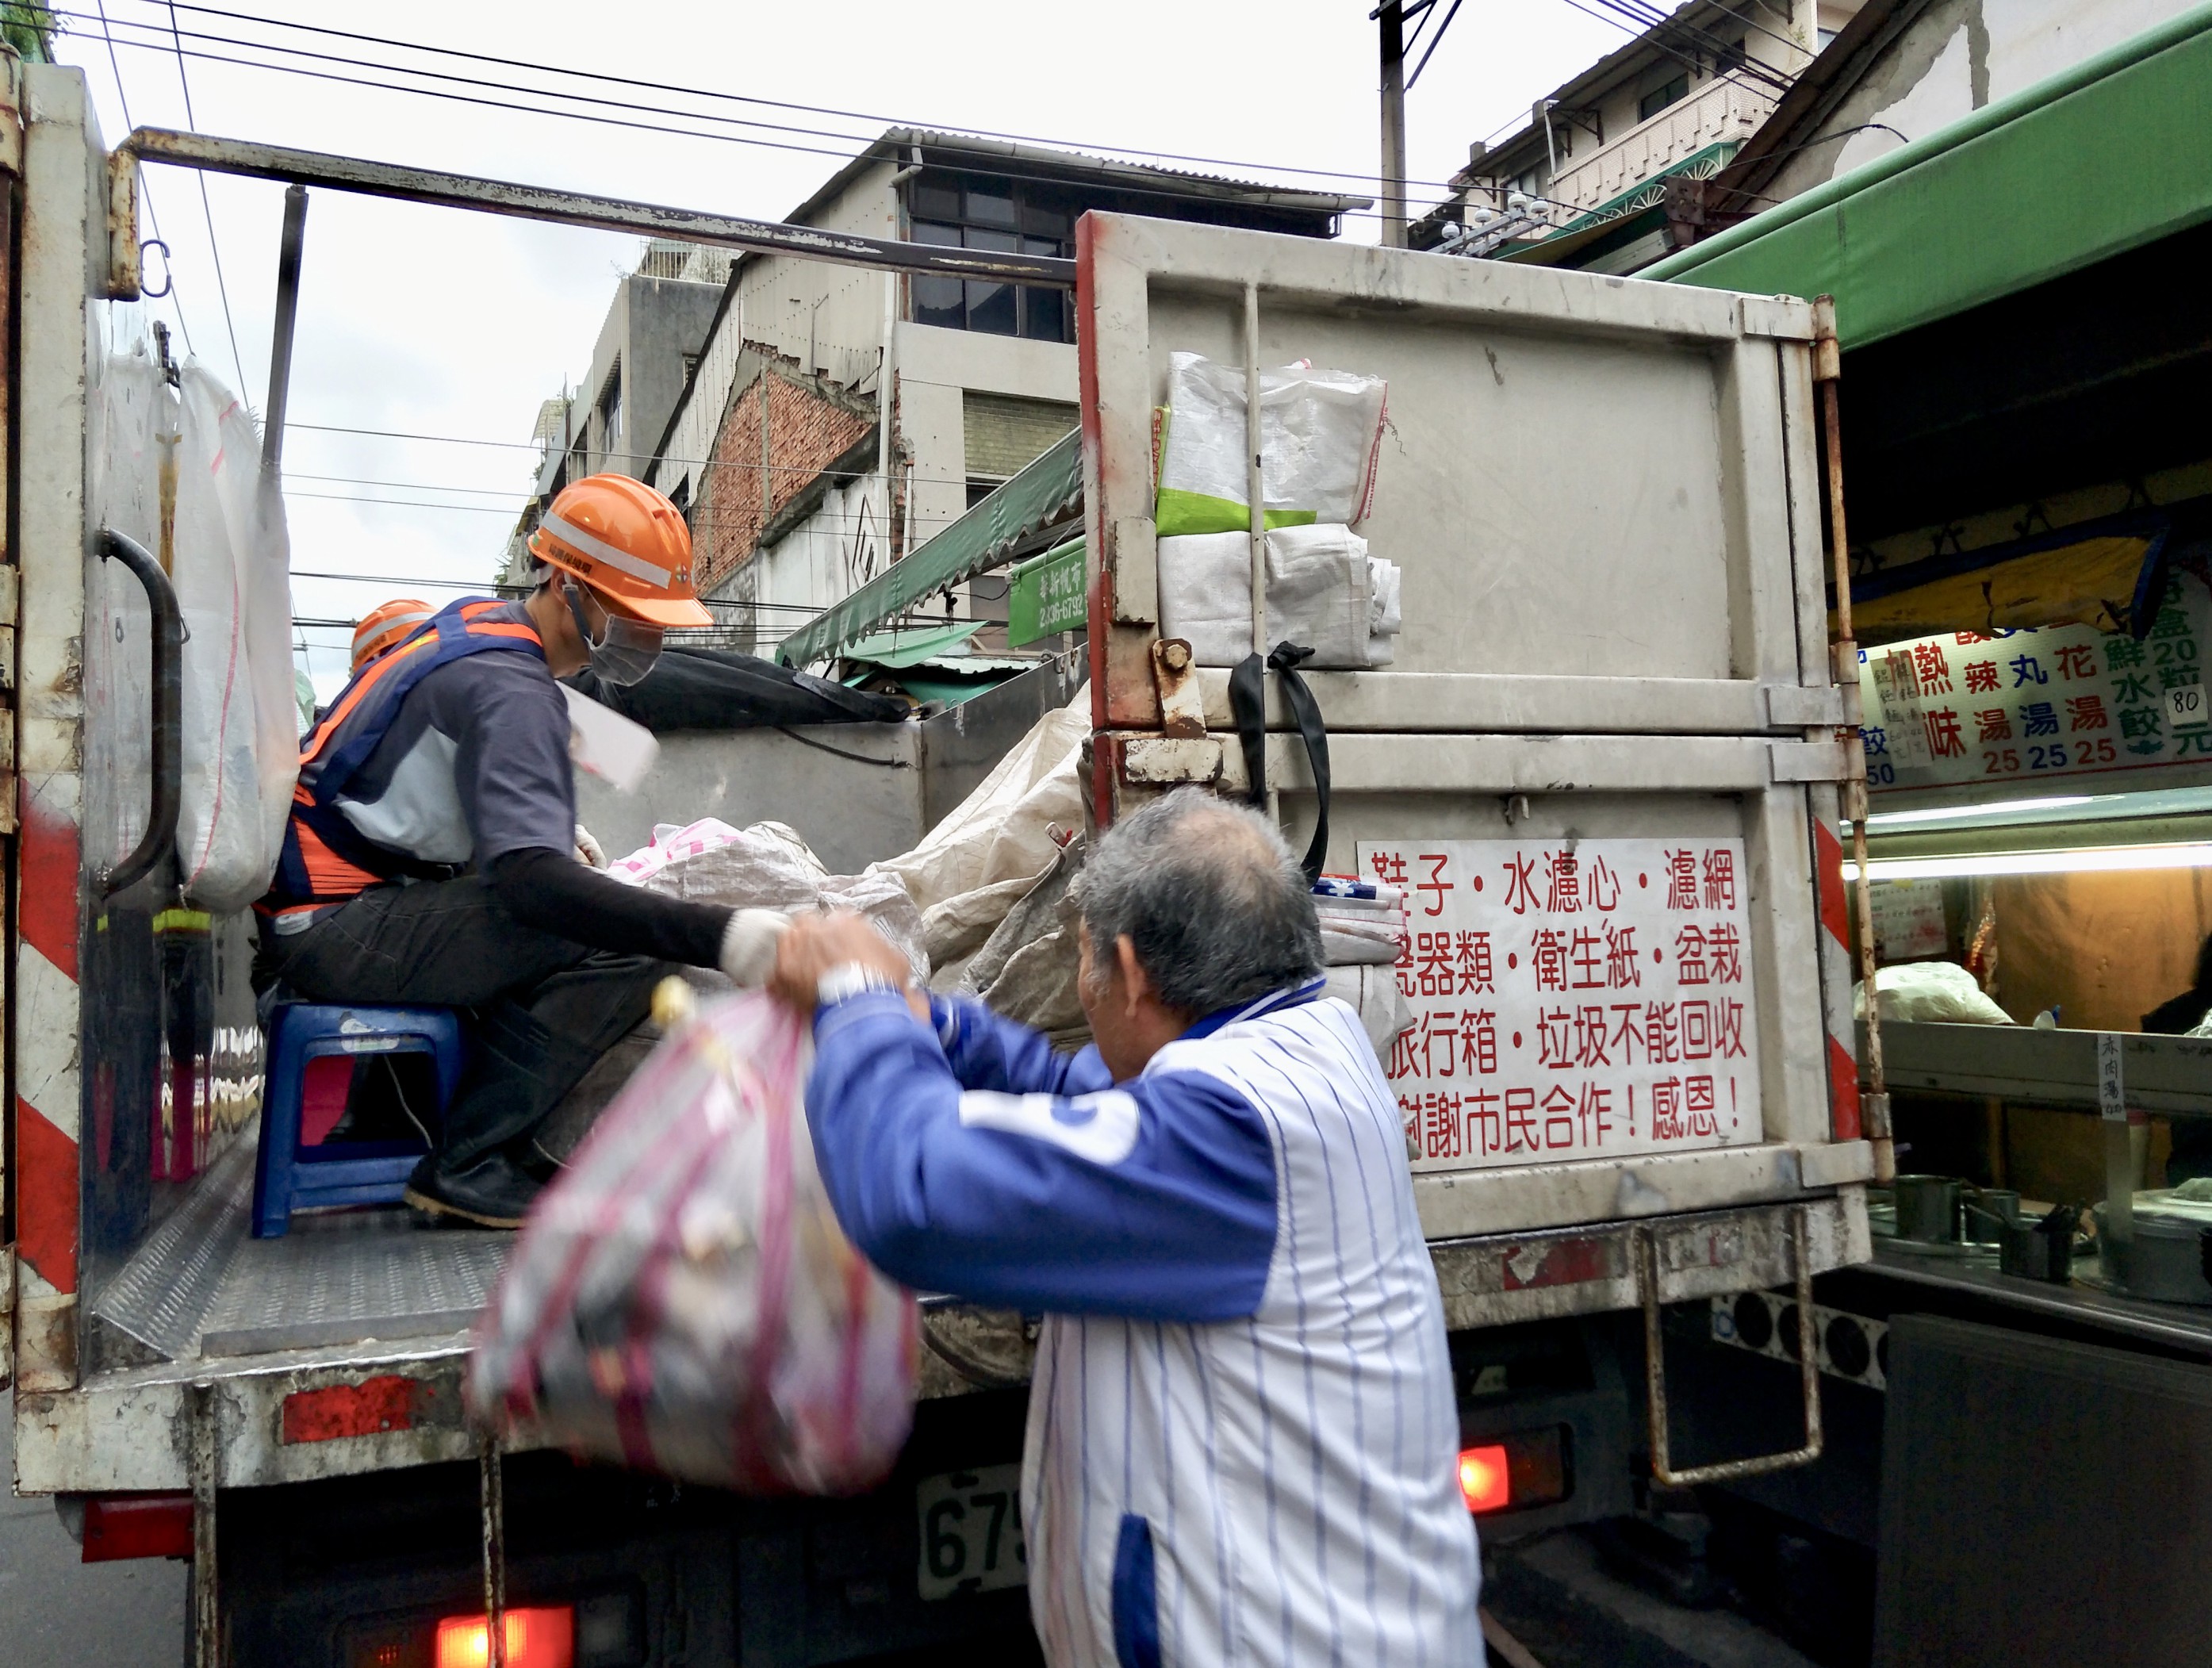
1242 1432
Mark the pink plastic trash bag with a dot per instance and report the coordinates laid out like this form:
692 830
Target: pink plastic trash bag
683 1300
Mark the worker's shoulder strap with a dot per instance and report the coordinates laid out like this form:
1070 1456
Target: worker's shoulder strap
366 708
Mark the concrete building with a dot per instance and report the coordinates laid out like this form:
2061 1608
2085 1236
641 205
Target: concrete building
650 340
1906 69
1725 110
802 480
1590 174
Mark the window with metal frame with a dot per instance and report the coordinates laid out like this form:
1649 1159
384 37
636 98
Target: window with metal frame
1005 215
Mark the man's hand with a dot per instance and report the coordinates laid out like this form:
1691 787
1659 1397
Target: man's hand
817 943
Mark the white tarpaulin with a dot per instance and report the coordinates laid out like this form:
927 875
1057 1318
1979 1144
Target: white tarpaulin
1572 1000
233 574
228 561
1000 832
134 405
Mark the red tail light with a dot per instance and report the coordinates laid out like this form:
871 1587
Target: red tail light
137 1526
1484 1482
535 1639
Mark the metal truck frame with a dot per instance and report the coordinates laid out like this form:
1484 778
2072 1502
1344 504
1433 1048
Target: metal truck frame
1578 1246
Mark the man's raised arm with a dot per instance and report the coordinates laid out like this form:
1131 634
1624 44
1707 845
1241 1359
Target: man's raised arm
1156 1198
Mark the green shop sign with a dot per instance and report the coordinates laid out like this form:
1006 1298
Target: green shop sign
1048 595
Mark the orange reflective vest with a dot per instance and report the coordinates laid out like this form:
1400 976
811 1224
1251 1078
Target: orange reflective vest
326 858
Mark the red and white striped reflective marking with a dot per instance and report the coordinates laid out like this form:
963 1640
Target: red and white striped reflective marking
48 1032
1836 982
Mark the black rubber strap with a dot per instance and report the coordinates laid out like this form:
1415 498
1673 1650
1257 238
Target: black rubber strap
1248 705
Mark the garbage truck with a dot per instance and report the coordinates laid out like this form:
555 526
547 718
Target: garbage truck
1605 768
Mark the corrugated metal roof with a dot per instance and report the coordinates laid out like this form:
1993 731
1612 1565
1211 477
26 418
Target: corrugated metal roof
1074 166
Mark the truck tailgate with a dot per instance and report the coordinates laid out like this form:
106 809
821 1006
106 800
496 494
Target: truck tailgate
1604 764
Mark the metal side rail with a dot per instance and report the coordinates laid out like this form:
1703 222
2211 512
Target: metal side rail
296 1414
1495 1279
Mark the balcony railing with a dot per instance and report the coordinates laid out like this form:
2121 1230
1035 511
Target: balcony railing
1725 111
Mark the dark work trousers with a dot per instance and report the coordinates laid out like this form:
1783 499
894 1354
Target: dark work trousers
543 1008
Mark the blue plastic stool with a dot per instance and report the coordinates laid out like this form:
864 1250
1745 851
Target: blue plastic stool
289 1174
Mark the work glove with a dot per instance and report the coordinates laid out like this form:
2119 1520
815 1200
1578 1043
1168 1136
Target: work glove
749 945
589 851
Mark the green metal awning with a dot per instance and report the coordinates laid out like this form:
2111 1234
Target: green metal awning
2106 157
898 650
1043 494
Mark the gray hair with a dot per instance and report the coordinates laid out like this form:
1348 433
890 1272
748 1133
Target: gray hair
1218 910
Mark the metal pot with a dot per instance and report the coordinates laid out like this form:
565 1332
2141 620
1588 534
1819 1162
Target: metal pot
1928 1209
2039 1251
2165 1261
1988 1214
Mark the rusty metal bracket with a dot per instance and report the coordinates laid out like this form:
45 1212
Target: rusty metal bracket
205 1440
1828 376
460 191
1182 708
492 1500
1654 1370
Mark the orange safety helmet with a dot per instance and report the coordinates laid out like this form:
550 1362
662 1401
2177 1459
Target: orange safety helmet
629 543
384 629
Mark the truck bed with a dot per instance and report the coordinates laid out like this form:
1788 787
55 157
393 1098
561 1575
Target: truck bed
201 1287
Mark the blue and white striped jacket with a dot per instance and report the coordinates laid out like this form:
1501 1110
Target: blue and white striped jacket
1243 1433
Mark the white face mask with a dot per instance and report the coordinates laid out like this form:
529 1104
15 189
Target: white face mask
628 650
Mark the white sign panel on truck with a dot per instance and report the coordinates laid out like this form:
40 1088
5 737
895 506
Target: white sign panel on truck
1572 1000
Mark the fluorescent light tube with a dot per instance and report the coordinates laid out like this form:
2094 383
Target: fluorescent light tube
2086 860
2001 809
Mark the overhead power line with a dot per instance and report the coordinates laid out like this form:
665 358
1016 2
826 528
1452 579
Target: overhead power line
974 167
1665 29
207 210
402 503
835 113
412 486
402 433
1615 10
847 520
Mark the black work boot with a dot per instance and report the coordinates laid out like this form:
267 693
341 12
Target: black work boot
492 1191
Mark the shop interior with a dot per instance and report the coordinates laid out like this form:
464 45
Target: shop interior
2030 544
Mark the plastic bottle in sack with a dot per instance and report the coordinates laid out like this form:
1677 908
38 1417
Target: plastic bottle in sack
683 1300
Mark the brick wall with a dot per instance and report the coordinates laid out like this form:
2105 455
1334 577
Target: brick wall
811 423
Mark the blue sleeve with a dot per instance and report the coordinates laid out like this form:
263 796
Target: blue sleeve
987 1051
1155 1199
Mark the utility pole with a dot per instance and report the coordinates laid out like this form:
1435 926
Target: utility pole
1391 15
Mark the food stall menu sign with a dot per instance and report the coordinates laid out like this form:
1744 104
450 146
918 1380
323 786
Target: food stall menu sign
1908 919
2029 706
1572 1000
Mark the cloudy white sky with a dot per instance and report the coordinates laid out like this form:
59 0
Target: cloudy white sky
441 323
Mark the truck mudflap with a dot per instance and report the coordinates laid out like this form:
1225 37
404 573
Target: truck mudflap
1500 1279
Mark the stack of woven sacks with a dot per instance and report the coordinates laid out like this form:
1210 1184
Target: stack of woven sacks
1320 436
1363 932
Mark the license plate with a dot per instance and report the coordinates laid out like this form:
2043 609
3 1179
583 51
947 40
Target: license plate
971 1531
